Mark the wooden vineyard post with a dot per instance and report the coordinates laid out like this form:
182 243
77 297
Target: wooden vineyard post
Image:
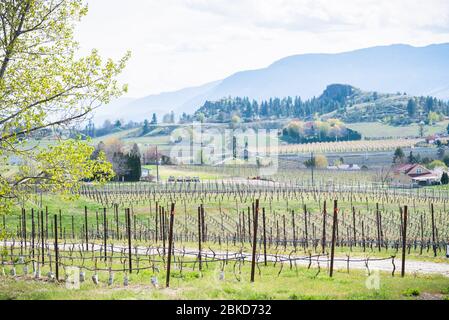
434 247
294 229
354 230
253 260
105 234
363 236
199 238
156 222
422 234
163 229
56 248
203 229
117 230
170 243
33 233
128 227
42 238
285 234
264 237
306 232
46 220
24 229
334 227
378 225
404 241
97 223
86 228
324 227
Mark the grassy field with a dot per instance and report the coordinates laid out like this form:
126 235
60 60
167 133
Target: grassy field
379 130
291 284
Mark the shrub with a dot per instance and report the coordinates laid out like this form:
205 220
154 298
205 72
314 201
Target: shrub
412 293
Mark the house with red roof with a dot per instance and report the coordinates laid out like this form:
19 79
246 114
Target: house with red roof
415 174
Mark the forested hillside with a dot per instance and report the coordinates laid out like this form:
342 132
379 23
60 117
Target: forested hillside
340 101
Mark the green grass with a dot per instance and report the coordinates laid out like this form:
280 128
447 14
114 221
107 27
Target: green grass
379 130
294 284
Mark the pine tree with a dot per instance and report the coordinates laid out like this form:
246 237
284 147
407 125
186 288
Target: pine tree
154 119
146 127
411 107
398 155
134 164
445 179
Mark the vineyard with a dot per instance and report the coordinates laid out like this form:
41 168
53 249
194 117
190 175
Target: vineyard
229 232
344 146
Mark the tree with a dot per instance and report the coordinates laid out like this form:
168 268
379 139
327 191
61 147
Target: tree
234 147
167 118
446 160
318 161
154 119
411 107
134 164
201 117
398 155
421 129
445 179
436 164
146 127
235 121
412 159
321 162
246 152
45 84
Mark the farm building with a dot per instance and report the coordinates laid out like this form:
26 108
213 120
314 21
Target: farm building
416 174
345 167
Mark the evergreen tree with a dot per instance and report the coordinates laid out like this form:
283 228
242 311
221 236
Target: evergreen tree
134 164
411 107
398 155
146 127
154 119
445 179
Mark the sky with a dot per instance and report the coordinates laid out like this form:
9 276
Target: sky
182 43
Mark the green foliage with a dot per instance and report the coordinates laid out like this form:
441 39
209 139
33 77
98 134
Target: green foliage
318 161
44 85
318 131
399 155
412 159
411 107
413 292
154 119
445 179
436 164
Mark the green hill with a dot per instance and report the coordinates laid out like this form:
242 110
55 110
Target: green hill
340 101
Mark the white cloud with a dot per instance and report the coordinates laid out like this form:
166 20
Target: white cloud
179 43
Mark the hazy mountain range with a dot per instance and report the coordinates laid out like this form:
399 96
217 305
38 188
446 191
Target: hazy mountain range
397 68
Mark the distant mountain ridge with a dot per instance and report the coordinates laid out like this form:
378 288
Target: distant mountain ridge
418 71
